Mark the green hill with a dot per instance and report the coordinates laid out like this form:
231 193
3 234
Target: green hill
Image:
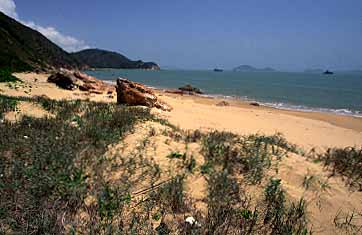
97 58
22 48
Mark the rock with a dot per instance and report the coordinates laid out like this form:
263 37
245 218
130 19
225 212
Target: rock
191 89
133 93
254 104
71 80
65 80
223 103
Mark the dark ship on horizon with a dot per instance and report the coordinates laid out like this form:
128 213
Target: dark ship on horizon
328 72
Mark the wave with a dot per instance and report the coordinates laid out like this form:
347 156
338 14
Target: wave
303 108
286 106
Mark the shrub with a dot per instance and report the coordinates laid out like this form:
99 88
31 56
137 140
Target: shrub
6 76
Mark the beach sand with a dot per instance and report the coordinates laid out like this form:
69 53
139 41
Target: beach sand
305 129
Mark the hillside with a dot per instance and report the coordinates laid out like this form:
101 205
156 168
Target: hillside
97 58
248 68
22 48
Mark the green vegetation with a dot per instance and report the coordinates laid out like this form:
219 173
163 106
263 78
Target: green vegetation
346 162
7 104
6 76
44 162
229 207
248 155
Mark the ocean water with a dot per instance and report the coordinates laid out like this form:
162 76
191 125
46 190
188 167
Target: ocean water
340 93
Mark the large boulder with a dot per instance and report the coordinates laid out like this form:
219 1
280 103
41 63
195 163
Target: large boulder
133 93
71 80
65 80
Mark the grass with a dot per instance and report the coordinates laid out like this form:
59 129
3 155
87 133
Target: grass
346 162
249 155
6 76
7 104
229 207
43 161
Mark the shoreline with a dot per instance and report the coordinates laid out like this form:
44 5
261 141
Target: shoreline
306 129
278 106
344 121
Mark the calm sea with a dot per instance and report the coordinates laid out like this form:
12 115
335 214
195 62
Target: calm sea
340 93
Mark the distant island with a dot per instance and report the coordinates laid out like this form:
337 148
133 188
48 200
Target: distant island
24 49
248 68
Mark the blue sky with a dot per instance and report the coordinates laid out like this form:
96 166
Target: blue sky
200 34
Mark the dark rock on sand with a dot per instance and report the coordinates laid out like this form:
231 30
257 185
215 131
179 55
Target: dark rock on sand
71 80
254 104
133 93
190 89
65 80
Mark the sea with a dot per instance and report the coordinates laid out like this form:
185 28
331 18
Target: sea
339 93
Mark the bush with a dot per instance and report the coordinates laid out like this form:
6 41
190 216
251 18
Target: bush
6 76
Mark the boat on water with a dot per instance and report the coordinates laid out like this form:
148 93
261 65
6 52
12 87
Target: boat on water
328 72
218 70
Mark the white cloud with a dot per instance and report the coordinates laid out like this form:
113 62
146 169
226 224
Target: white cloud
8 8
68 43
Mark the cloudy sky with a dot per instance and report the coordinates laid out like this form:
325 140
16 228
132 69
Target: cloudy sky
203 34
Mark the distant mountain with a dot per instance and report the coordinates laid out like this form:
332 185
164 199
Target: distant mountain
22 48
248 68
97 58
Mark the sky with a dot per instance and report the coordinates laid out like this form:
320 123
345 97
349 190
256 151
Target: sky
203 34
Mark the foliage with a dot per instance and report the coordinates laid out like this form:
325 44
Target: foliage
6 76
